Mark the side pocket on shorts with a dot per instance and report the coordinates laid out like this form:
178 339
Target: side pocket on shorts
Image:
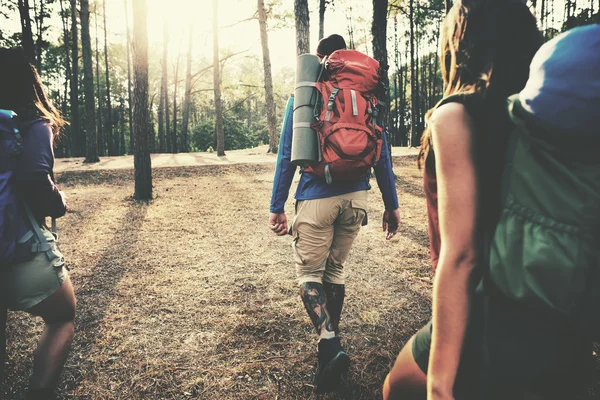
58 260
360 212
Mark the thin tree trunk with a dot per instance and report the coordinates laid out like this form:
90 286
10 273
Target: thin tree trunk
39 23
413 87
174 146
165 85
302 26
322 6
130 101
142 161
185 147
26 32
109 130
77 138
379 32
269 102
91 153
101 142
217 83
68 135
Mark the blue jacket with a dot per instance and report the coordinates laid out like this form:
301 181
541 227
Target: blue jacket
314 187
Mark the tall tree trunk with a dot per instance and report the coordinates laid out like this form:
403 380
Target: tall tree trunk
68 136
91 150
101 142
141 159
77 138
130 101
187 99
109 130
379 32
269 102
397 75
322 6
39 23
165 87
26 32
174 146
413 86
217 83
302 26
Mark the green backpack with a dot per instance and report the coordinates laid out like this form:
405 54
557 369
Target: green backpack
545 251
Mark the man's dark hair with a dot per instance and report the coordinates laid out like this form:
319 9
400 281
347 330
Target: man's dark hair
329 44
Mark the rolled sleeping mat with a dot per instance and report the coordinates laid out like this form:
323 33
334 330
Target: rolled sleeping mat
305 143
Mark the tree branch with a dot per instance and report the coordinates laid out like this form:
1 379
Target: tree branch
253 17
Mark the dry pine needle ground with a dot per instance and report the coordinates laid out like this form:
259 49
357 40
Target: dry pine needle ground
192 297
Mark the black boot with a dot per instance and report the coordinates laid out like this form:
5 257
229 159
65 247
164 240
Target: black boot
41 394
333 362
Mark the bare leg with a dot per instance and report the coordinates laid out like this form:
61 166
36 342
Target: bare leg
58 312
315 301
335 301
405 381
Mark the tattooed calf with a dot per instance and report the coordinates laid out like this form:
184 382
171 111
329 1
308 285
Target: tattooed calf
315 301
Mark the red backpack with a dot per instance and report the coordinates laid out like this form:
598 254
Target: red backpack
350 139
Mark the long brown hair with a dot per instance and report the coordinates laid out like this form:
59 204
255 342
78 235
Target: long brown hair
486 48
22 91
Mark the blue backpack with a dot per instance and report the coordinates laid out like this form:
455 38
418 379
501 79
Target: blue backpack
11 146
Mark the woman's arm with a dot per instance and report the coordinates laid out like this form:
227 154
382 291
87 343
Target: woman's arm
34 173
452 133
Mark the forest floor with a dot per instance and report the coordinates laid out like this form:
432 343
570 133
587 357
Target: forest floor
190 296
254 155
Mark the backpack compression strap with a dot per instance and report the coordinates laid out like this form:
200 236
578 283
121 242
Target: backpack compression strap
42 245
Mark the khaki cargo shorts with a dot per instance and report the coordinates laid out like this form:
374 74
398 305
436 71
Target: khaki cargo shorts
323 231
27 283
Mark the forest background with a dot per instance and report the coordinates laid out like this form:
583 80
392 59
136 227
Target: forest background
91 77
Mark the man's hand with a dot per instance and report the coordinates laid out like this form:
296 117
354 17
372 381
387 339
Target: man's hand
391 223
278 224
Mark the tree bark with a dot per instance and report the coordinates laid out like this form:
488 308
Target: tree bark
142 161
302 26
379 32
413 87
217 83
39 23
185 147
68 129
91 150
109 132
322 7
101 142
26 32
78 140
164 92
130 101
269 101
174 146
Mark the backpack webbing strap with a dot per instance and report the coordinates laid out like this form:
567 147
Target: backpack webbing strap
42 246
331 102
354 105
305 84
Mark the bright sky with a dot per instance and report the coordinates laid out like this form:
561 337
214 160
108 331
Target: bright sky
236 38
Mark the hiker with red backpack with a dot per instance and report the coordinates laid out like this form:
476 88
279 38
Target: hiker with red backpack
331 208
33 276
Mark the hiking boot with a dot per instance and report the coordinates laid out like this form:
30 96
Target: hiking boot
41 394
333 362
